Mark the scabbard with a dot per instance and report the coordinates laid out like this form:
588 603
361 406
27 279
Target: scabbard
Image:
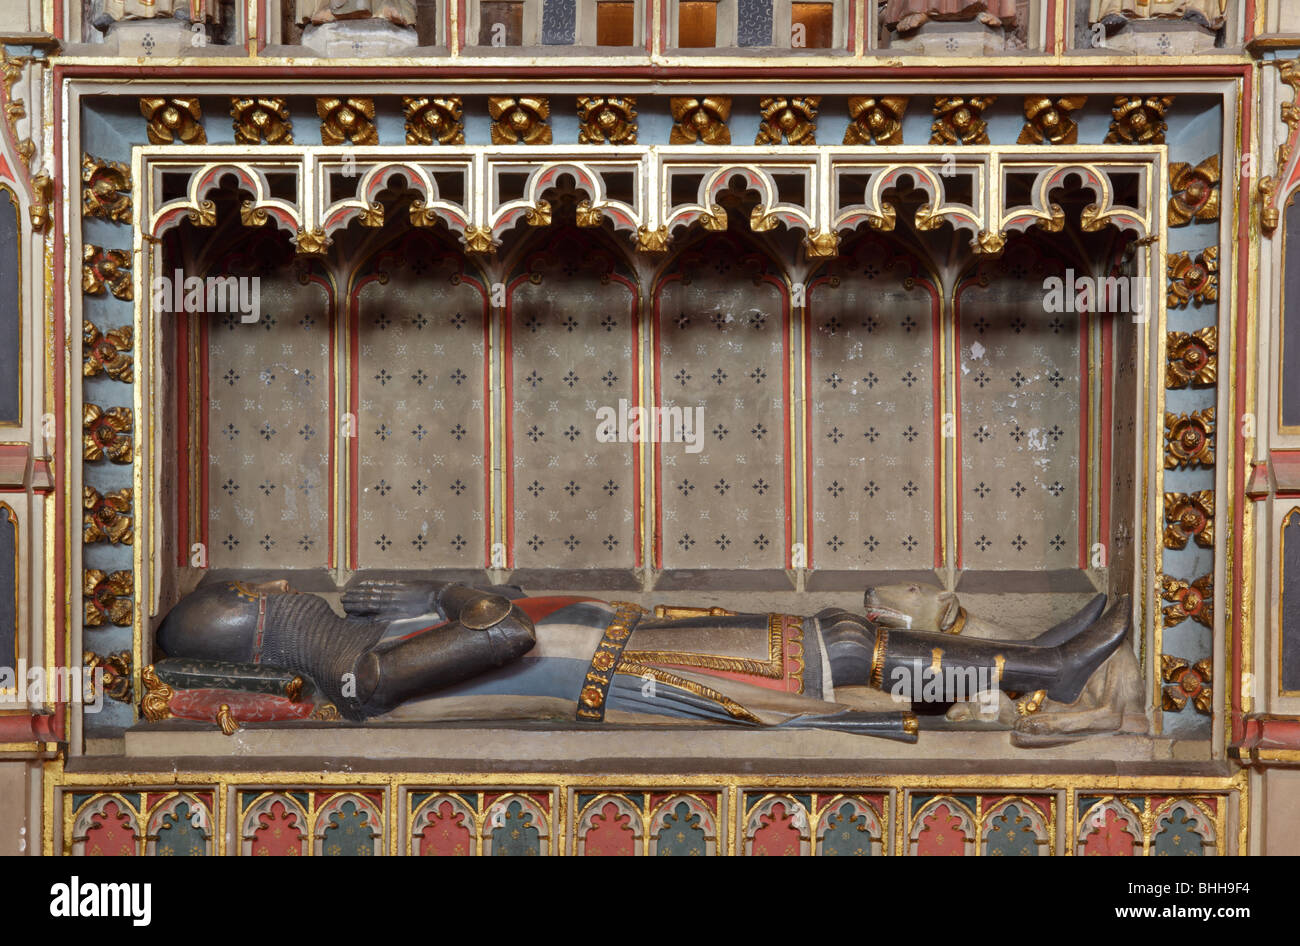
899 726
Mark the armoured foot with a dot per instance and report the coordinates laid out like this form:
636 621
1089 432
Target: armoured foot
1085 652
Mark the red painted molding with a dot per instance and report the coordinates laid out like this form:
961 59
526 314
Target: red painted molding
28 729
464 67
1268 738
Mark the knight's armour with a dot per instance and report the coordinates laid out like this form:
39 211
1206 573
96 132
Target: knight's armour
347 658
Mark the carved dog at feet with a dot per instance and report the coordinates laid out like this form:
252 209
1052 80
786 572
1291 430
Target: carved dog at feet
1112 700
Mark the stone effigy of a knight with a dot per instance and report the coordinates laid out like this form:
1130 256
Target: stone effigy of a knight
430 650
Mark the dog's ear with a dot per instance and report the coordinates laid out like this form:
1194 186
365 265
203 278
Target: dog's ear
950 609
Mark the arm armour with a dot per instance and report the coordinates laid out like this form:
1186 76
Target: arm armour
304 635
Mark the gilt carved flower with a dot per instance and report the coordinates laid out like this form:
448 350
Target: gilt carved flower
173 119
1139 120
106 190
434 119
1189 439
875 120
1193 280
103 269
793 120
1049 121
107 598
1193 600
1194 191
960 120
520 120
350 119
701 120
106 517
1187 682
606 118
1193 358
117 674
261 119
1189 516
107 353
105 433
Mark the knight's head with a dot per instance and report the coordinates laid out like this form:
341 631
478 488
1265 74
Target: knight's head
214 620
913 605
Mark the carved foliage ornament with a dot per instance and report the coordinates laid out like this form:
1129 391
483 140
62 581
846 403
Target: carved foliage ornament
173 119
434 119
652 241
107 598
1189 516
1049 121
106 190
793 120
106 353
1189 439
261 119
1193 280
821 245
117 673
479 240
106 433
1193 358
105 517
606 118
1193 599
520 120
959 120
990 244
350 119
311 242
101 268
875 120
14 107
39 211
1187 682
701 120
1139 120
156 704
1195 191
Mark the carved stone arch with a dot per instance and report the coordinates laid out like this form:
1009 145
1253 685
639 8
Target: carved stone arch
349 822
275 823
778 825
1175 820
365 207
107 824
767 213
684 824
514 825
185 815
1030 824
878 212
1044 213
533 244
850 824
535 209
198 208
1110 826
943 825
444 825
609 824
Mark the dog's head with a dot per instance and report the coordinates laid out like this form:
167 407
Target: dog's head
916 606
